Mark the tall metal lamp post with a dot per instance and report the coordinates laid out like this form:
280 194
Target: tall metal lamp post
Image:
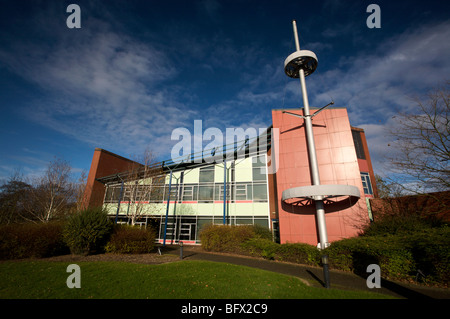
300 64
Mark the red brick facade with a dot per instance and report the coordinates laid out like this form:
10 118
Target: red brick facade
103 163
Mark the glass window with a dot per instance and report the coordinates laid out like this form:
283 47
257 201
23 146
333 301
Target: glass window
241 191
126 193
112 194
205 193
358 145
219 192
259 168
157 194
259 191
141 192
259 174
195 193
173 192
159 180
261 222
188 193
249 191
207 174
367 186
245 220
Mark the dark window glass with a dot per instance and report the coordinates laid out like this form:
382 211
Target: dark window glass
205 193
207 174
358 145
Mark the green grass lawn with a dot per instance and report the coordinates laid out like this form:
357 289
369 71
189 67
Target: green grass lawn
184 279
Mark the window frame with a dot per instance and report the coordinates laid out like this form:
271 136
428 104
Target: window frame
366 183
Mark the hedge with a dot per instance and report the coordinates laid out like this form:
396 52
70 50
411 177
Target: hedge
355 254
296 253
400 256
131 240
257 241
224 238
32 240
42 240
431 252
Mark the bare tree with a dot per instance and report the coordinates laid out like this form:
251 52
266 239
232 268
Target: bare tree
79 189
386 188
419 161
51 194
420 157
141 185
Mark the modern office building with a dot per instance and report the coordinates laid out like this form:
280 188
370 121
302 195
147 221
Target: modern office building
178 198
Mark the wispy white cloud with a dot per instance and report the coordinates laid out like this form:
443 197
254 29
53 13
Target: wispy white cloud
373 86
383 81
376 86
114 90
102 87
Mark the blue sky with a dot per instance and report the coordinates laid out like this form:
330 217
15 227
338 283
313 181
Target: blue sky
136 70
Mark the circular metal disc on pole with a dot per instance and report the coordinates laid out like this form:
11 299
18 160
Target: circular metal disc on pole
300 200
315 191
303 59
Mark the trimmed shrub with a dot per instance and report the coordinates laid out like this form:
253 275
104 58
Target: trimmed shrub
256 241
261 247
299 253
296 253
32 240
423 240
131 240
87 231
224 238
431 253
400 255
262 232
355 254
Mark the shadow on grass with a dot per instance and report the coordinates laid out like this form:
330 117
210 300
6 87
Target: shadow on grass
361 262
316 278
